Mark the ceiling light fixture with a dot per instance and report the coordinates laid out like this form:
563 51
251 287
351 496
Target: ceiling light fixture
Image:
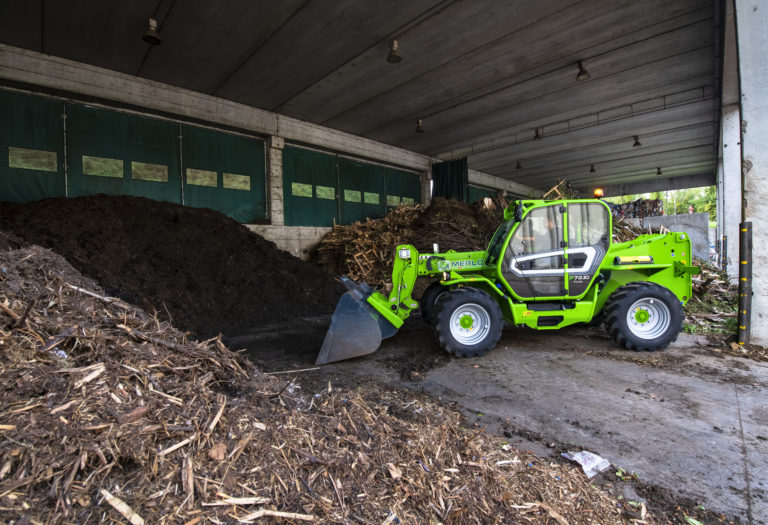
519 166
394 53
658 171
538 134
592 168
419 126
150 35
637 142
583 74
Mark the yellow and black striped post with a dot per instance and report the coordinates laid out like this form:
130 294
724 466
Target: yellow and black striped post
745 282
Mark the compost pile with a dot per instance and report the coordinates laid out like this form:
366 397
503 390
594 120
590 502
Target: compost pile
365 251
196 267
109 414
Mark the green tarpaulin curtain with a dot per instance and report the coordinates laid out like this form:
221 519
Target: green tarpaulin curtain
450 179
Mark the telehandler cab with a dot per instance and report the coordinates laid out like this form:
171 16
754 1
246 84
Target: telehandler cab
550 264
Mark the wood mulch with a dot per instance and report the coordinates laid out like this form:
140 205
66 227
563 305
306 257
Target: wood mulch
108 414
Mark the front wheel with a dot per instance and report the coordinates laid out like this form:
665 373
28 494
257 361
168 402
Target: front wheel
468 322
429 300
643 316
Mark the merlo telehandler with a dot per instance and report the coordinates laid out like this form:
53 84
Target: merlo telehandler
550 264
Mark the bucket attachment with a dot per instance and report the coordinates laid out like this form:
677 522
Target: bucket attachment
356 327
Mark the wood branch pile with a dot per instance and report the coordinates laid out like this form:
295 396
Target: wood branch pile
561 191
713 305
639 208
365 251
712 282
109 415
624 231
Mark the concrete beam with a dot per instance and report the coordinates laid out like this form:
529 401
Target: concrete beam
731 186
61 75
648 186
489 181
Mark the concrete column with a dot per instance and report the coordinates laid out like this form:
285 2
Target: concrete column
274 155
731 187
719 207
752 34
426 187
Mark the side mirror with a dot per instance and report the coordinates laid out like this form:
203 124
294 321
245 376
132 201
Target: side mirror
519 211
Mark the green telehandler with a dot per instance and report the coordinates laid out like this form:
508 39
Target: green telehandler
550 264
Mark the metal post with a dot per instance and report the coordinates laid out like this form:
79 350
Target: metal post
745 282
724 254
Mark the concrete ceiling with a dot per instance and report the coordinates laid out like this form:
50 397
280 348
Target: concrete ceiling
482 74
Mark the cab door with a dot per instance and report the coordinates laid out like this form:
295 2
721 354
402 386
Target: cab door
534 261
589 231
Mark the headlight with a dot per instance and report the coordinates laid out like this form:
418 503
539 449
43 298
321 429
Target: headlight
404 253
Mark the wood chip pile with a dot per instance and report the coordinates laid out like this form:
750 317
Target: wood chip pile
365 250
108 415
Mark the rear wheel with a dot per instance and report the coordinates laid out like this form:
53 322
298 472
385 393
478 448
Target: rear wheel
643 316
429 300
468 322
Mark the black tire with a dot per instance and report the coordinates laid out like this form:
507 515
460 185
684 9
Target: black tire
472 306
429 300
643 316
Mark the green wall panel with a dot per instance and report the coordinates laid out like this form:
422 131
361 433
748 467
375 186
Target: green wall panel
403 185
224 172
31 148
361 190
148 149
309 188
477 193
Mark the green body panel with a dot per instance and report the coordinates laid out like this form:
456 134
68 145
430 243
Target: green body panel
664 259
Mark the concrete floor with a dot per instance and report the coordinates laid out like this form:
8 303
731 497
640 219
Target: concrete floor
689 419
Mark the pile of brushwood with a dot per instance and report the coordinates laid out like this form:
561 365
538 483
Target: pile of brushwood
365 251
108 415
712 308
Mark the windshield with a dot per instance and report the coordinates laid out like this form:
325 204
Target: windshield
497 242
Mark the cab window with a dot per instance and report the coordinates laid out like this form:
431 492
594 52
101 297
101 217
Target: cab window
588 224
540 231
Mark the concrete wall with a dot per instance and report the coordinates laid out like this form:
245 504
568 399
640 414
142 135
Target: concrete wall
696 225
45 73
298 240
61 75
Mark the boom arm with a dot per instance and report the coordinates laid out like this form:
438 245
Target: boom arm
409 265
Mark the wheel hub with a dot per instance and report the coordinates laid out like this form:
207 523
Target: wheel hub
648 318
470 324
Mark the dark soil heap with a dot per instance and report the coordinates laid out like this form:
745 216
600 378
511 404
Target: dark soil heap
207 272
109 415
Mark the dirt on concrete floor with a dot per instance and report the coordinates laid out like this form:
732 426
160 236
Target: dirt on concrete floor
686 425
